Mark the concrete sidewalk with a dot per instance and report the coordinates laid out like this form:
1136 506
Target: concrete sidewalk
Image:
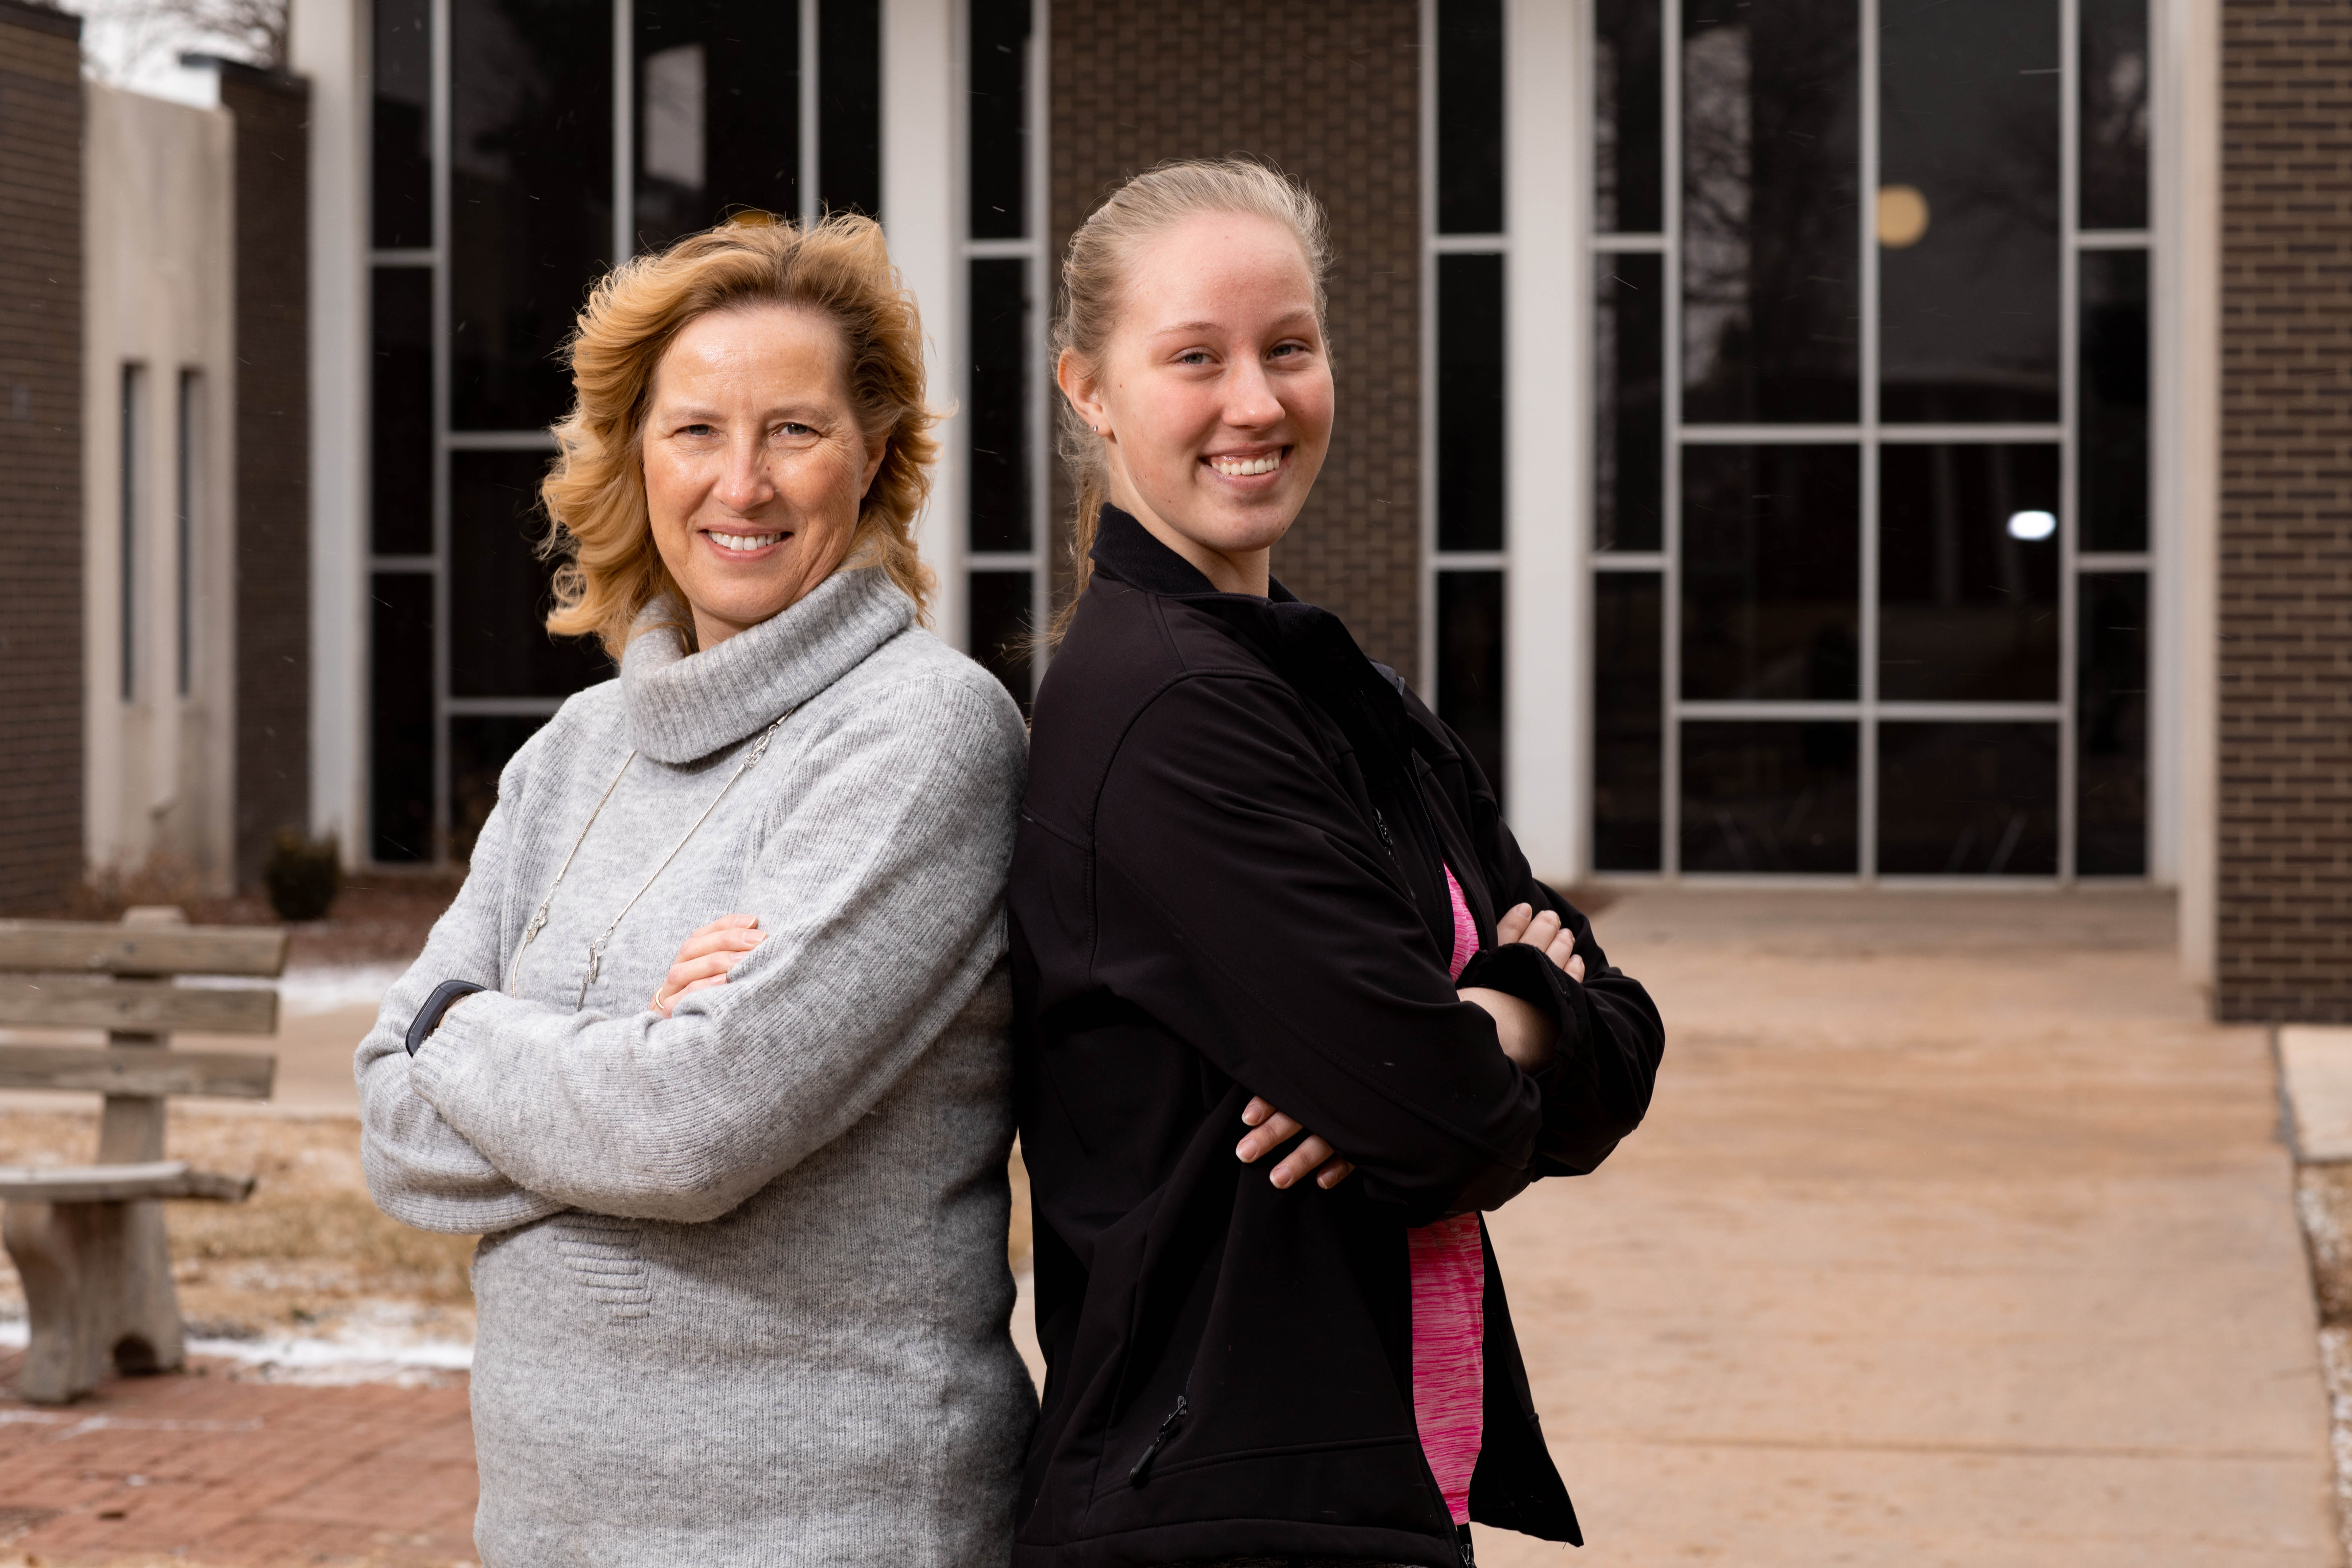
1956 1237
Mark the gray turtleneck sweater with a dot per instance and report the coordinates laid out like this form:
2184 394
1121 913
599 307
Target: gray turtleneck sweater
741 1284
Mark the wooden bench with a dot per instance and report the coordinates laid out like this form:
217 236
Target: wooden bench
88 1240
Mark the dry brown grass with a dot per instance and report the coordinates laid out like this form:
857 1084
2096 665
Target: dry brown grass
305 1249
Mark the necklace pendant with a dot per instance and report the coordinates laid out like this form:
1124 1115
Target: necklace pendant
536 921
595 960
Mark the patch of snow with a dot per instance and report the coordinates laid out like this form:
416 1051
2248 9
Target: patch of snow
318 988
372 1347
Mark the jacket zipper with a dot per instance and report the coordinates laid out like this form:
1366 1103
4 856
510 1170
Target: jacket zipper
1381 826
1167 1425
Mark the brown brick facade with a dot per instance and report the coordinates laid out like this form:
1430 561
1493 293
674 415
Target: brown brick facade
1331 93
2285 765
273 458
41 455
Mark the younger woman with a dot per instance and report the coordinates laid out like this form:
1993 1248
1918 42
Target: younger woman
1254 871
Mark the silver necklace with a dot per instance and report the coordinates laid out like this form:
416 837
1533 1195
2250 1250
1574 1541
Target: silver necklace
596 948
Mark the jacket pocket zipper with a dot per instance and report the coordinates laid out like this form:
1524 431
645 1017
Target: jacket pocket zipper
1167 1425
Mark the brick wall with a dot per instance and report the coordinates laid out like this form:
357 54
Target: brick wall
2285 886
40 455
1330 92
273 458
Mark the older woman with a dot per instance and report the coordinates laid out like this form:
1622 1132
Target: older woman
740 1181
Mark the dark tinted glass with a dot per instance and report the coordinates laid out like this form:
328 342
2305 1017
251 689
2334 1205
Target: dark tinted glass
1629 449
996 417
1967 800
718 124
2115 113
1470 665
1629 162
2111 727
2112 400
530 171
400 716
402 109
1000 136
1771 211
1628 723
1470 117
1003 618
400 412
849 105
499 588
1772 573
1968 573
1769 796
1967 210
479 745
1469 403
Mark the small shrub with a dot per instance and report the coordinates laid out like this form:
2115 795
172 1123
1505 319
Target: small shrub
302 875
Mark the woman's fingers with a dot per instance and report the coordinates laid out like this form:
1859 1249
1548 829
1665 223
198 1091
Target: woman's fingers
1575 967
1514 923
1335 1170
735 934
1301 1162
1256 1111
1263 1140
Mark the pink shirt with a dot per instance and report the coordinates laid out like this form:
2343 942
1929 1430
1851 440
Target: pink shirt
1448 1263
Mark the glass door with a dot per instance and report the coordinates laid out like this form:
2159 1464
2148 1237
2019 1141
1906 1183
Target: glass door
1871 500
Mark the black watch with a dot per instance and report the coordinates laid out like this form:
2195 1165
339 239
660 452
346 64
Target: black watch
428 1017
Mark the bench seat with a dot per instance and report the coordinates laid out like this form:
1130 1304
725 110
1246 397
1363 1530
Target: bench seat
119 1183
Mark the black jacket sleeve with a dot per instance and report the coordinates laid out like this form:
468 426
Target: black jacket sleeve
1244 902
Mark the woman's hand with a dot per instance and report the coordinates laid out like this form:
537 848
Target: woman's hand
706 957
1521 924
1526 1036
1270 1130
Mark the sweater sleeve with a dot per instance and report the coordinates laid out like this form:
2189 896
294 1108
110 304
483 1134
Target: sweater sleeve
881 890
420 1170
1295 960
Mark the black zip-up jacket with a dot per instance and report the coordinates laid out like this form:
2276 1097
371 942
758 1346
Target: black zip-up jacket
1228 882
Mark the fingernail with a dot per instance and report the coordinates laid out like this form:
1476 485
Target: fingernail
1244 1153
1279 1178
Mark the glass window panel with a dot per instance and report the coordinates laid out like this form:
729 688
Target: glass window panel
717 127
1968 573
499 588
400 716
2111 726
1629 449
1769 796
1629 156
1967 210
1968 799
2115 113
530 172
999 128
1470 665
1003 619
1771 572
401 111
996 419
1771 180
1628 720
131 462
400 412
2112 400
1470 117
480 747
1469 403
849 106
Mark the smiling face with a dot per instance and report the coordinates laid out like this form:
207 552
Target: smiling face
754 463
1214 393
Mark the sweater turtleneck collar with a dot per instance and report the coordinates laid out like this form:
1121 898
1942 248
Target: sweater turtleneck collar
682 707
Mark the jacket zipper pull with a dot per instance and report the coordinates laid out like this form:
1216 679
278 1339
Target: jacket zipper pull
1381 826
1174 1418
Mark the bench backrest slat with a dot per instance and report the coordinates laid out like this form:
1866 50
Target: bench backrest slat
219 1075
133 1007
77 946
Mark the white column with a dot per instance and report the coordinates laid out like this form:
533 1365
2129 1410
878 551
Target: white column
2184 631
920 212
328 46
1547 641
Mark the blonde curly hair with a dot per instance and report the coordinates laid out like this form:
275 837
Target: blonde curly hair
600 529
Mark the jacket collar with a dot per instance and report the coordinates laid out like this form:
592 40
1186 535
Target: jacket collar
682 707
1125 550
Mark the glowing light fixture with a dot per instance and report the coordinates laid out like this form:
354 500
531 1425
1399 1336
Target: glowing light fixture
1902 216
2032 526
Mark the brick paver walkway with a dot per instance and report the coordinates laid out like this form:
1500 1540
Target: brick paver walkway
204 1467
